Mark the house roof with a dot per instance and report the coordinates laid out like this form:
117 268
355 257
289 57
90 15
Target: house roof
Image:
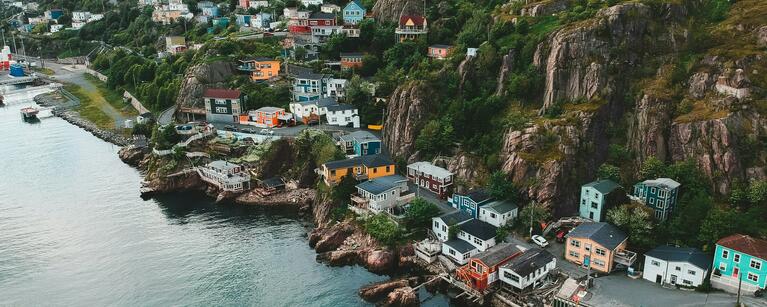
357 2
322 102
454 218
382 184
272 182
299 72
428 168
351 54
269 109
459 245
495 255
360 137
417 20
221 93
223 165
745 244
441 46
477 195
662 182
479 229
500 206
530 260
322 15
602 233
691 255
341 107
369 161
604 186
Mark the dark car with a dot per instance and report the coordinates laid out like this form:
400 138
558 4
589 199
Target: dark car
230 128
248 130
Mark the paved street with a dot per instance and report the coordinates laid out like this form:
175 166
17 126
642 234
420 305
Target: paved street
431 197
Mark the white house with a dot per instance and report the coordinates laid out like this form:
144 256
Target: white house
81 16
441 224
321 34
684 266
258 4
336 88
382 194
77 25
226 176
330 8
311 2
56 28
318 107
343 115
459 251
528 269
478 233
498 213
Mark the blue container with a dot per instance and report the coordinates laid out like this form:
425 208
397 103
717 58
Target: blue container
17 70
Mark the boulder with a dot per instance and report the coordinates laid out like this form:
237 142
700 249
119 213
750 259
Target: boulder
379 261
331 239
339 258
404 296
377 291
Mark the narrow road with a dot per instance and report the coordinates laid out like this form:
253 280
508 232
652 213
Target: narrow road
76 75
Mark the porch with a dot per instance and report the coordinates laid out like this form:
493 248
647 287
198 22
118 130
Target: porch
625 257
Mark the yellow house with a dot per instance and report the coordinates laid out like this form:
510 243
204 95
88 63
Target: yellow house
599 245
362 168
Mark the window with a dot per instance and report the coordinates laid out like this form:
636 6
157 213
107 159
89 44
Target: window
598 262
587 247
513 277
575 243
444 228
722 267
686 282
477 241
574 254
436 224
678 268
725 254
753 277
736 257
600 252
492 215
756 264
655 263
594 205
691 272
652 201
653 190
452 252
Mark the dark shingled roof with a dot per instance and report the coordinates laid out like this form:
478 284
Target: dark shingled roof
417 20
498 254
745 244
369 161
221 93
272 182
341 107
382 184
691 255
322 15
605 234
477 195
455 218
351 54
479 229
441 46
531 260
604 186
460 246
500 206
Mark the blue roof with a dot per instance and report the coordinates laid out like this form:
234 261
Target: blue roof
602 233
382 184
690 255
604 186
455 218
460 246
355 2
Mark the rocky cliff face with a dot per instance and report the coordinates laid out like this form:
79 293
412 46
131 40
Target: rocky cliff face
406 111
390 10
199 77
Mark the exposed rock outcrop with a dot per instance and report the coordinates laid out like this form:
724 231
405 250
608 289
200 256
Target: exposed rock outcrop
132 155
649 130
380 290
301 197
467 167
325 240
390 10
507 66
201 76
404 296
406 111
544 8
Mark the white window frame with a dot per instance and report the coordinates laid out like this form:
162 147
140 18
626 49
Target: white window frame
758 265
755 277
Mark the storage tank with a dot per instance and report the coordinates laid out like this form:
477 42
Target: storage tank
17 70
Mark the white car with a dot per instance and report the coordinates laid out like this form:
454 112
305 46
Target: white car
540 241
267 131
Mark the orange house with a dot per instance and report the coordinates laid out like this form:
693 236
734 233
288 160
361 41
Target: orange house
361 167
261 69
600 246
265 117
351 60
440 51
482 270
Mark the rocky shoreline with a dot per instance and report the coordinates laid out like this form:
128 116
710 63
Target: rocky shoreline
74 118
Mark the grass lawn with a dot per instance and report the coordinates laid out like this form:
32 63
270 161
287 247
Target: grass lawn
112 97
89 109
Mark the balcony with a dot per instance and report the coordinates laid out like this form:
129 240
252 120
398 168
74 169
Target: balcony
359 201
625 257
411 31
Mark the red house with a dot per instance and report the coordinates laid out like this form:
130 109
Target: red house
482 270
431 177
351 60
439 51
322 19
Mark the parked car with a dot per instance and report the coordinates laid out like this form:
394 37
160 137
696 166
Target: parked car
561 233
266 131
248 130
540 241
230 128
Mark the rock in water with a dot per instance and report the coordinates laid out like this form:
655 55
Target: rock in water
132 155
332 239
404 296
380 290
379 261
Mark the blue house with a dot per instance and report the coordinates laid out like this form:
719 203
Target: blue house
659 194
597 197
243 20
308 85
360 143
470 202
353 12
740 259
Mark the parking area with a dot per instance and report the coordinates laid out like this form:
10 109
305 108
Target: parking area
431 197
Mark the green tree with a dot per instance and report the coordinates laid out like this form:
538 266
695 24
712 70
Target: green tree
637 221
652 168
500 187
608 171
719 222
383 229
344 189
540 214
420 212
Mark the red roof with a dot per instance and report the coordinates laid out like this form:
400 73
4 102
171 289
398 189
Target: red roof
745 244
221 93
417 20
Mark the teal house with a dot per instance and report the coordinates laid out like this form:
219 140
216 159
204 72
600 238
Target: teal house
599 196
353 12
740 259
360 143
470 202
659 194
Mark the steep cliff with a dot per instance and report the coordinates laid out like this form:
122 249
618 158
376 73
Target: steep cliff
390 10
406 111
199 77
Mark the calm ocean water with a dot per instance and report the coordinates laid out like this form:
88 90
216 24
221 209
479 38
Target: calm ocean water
73 231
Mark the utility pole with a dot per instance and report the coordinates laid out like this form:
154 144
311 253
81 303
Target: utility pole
740 281
532 211
15 50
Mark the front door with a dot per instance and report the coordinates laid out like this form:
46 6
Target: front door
673 279
658 278
735 272
591 215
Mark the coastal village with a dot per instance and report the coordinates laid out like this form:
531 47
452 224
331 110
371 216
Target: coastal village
420 219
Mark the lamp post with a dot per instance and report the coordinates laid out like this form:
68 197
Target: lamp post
740 281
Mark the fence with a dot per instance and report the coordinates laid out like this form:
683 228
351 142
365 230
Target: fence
97 74
135 103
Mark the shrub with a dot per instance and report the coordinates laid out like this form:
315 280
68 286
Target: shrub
383 229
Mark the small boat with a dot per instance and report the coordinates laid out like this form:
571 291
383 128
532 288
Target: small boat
29 113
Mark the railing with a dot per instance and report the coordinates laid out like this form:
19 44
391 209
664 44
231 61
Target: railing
625 257
411 31
729 281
